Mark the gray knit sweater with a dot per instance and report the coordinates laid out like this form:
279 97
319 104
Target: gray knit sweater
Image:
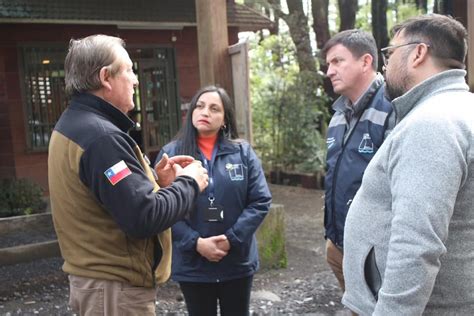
415 209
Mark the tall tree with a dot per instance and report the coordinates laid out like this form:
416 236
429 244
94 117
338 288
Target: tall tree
379 25
347 12
262 6
297 23
443 7
320 11
422 5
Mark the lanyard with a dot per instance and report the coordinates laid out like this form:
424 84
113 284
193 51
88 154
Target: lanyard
209 166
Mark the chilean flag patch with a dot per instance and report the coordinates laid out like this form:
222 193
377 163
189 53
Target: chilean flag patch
117 172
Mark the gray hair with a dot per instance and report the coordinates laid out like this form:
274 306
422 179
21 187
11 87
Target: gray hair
84 60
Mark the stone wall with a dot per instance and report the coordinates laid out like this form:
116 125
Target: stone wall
271 239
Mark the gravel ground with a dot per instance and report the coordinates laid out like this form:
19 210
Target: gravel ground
306 287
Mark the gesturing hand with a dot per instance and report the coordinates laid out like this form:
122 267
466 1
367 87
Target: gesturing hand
196 171
166 170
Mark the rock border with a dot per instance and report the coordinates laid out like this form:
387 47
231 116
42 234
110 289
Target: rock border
29 252
9 224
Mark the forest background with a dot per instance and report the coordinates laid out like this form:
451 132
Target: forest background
290 95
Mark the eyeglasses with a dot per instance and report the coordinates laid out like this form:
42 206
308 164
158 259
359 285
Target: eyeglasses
387 51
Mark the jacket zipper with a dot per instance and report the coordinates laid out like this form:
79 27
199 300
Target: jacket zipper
336 171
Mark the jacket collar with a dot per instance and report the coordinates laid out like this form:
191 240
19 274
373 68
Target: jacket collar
449 80
95 104
343 104
224 146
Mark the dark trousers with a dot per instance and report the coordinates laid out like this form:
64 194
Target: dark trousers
233 296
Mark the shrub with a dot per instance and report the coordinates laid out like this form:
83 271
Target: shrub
20 197
289 109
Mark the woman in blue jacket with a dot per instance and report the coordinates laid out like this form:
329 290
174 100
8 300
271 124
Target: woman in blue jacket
214 250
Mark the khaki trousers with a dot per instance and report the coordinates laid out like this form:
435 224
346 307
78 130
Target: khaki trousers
334 257
93 297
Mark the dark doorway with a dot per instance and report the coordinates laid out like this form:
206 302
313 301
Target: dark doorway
156 98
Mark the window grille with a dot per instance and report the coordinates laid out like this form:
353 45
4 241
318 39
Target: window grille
44 95
156 98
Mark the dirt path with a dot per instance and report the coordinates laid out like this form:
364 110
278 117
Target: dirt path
306 287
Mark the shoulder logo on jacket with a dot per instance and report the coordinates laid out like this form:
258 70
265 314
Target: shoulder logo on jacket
236 171
117 172
366 145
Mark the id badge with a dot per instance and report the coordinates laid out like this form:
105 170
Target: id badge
214 213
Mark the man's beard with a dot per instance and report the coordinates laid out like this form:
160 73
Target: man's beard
394 90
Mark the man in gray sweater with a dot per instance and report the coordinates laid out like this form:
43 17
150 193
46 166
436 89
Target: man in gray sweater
409 238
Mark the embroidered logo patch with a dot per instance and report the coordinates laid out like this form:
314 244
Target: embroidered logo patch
330 141
366 145
117 172
236 171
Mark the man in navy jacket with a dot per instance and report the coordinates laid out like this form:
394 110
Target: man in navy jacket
355 132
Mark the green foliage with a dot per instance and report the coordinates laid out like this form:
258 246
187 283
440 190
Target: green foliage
396 13
20 197
288 108
364 17
274 251
401 12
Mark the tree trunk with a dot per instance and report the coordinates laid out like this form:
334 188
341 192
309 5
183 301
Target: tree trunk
320 10
276 22
297 23
347 12
443 7
448 7
379 26
262 6
320 21
422 5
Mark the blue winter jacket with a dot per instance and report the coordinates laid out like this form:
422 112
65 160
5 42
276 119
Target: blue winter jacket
346 161
242 191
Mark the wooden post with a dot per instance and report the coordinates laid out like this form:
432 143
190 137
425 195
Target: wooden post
213 43
470 49
240 77
463 11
